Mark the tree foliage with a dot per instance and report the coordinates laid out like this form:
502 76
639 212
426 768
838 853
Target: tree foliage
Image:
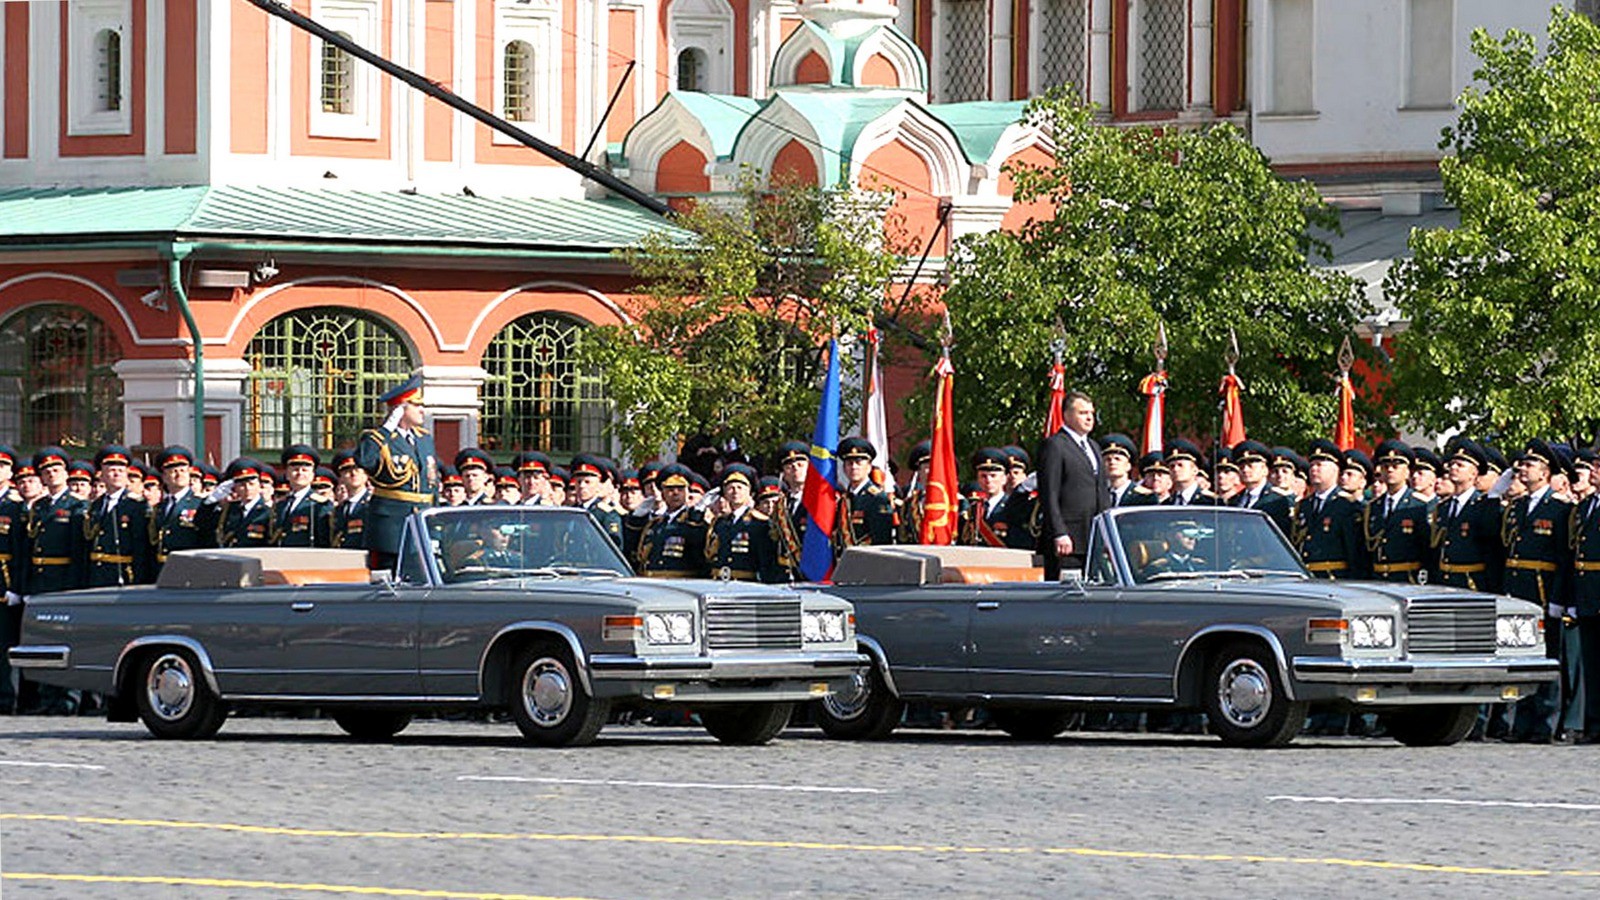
1503 309
729 342
1190 228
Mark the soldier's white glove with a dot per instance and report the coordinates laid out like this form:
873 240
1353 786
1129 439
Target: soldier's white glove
1502 484
1031 483
13 598
394 417
221 492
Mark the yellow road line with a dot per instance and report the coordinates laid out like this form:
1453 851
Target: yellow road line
745 843
240 883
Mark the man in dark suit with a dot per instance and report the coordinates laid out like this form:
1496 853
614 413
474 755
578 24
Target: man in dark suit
1072 487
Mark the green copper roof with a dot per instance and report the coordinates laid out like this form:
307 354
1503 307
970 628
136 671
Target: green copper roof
978 125
721 114
220 214
838 119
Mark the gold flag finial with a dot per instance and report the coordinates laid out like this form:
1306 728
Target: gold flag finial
1160 348
1347 356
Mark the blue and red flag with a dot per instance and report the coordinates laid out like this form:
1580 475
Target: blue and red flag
820 496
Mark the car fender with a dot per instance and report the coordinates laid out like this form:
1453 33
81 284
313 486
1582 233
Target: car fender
119 670
880 659
1255 631
534 626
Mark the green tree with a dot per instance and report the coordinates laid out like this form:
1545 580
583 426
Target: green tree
1190 228
741 300
1503 309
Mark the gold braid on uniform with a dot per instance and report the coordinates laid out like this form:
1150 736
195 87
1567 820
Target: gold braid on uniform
788 541
848 536
390 476
1373 541
1435 530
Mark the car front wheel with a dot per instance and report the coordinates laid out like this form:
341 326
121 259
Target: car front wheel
864 711
745 724
174 699
548 701
1245 700
1431 726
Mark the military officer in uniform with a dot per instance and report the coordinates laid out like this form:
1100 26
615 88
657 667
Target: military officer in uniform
1118 451
1289 472
80 479
912 504
866 512
1254 461
1537 537
180 521
507 492
58 553
1425 470
1397 525
1183 459
403 468
476 468
987 523
738 545
1355 474
117 525
13 529
1328 524
1466 525
560 493
1155 482
1585 530
587 474
786 526
350 516
674 543
246 517
302 519
533 477
8 465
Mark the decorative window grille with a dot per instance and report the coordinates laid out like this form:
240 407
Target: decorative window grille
519 81
56 381
315 375
108 77
536 396
1161 54
338 80
964 49
1063 45
691 70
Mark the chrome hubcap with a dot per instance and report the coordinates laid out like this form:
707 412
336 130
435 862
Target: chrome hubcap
1244 692
170 687
547 692
851 702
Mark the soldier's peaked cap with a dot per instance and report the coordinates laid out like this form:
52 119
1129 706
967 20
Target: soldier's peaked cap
175 455
585 464
792 450
532 461
1322 448
322 477
1425 458
1393 451
113 455
243 469
991 459
408 391
1251 451
739 472
49 456
1470 451
1180 448
80 470
8 454
1016 456
857 448
921 452
1356 459
345 459
1154 461
300 453
1118 443
474 458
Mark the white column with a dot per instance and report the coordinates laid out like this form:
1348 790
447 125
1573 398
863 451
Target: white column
1100 55
454 393
225 393
976 215
157 387
1200 53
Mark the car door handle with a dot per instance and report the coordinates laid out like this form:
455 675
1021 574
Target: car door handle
988 604
303 606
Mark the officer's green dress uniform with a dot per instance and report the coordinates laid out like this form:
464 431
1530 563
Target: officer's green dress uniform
246 525
1327 527
180 521
57 554
1585 530
738 547
118 536
1468 550
1399 533
674 544
403 470
302 520
1539 552
350 522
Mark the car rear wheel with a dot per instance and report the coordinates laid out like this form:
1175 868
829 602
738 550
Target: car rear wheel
864 711
1031 724
548 701
745 724
1245 700
1431 726
371 725
174 699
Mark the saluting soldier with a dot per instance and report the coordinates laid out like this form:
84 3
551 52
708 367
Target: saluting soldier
1253 459
1397 525
1585 529
770 506
912 506
246 518
1469 552
866 513
674 544
476 467
1183 459
1118 451
987 521
403 467
1328 523
302 519
181 521
58 553
350 516
1023 515
1536 533
738 545
587 474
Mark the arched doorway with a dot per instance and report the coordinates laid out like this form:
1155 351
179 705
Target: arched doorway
315 375
57 385
536 397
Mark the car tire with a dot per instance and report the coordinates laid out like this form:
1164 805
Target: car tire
868 712
548 700
372 725
175 701
745 724
1431 726
1245 700
1031 724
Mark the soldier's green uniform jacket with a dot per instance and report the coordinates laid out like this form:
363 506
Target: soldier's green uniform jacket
1139 495
245 525
633 526
786 536
1468 552
1400 538
302 520
911 513
1538 549
674 545
404 475
865 518
739 547
57 553
1276 505
1328 532
350 522
991 525
609 520
181 522
118 537
1585 531
13 532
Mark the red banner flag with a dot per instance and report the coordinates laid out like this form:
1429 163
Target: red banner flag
1344 433
942 492
1232 410
1053 421
1154 389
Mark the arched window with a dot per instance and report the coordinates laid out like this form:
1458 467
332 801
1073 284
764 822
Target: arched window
56 381
108 70
315 375
519 82
338 80
691 69
536 397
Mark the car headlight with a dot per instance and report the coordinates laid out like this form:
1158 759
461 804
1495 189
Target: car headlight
669 628
823 626
1372 632
1518 631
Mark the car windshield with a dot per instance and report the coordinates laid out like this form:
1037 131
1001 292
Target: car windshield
481 542
1175 543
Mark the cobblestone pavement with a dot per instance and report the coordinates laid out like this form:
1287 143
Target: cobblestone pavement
291 808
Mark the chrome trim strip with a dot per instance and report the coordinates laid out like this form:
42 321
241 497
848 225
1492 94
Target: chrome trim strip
617 666
349 698
881 658
1452 671
40 656
188 643
555 628
1259 631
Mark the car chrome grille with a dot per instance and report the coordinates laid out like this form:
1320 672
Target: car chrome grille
734 623
1450 625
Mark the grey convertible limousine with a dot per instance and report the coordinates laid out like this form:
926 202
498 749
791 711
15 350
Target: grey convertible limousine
1181 609
529 610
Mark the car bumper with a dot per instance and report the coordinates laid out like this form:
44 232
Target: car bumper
40 656
1390 682
728 679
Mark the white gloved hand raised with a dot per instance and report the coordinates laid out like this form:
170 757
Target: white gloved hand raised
221 492
394 417
13 598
